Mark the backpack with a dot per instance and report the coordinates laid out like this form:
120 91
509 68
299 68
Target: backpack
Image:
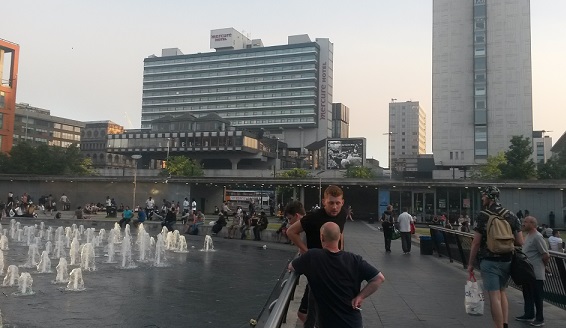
521 271
500 237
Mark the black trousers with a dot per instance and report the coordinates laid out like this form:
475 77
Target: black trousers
257 230
387 243
533 296
406 241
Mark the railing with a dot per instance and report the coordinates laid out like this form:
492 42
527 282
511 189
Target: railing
456 246
277 308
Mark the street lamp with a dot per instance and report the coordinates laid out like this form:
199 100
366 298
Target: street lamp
135 157
167 158
389 151
320 187
276 156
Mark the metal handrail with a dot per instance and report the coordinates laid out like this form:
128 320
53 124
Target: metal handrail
555 283
279 310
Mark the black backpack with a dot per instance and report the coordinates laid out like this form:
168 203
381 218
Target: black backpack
522 271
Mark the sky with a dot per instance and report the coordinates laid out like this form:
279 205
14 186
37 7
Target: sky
83 60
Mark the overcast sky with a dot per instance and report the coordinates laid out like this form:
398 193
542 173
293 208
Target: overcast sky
83 60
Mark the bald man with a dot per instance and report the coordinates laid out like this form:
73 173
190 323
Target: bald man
335 278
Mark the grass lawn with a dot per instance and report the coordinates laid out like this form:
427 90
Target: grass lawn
423 231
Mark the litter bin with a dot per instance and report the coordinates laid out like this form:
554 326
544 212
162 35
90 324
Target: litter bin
426 245
113 212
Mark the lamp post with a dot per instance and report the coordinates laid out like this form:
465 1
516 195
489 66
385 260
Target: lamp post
389 152
135 157
320 187
276 156
167 157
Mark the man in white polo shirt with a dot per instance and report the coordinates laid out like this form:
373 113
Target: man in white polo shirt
404 221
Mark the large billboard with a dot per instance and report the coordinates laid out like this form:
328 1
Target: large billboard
345 152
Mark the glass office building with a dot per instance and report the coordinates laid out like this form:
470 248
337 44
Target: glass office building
284 89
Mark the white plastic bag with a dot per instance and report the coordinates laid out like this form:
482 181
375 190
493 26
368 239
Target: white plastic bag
473 300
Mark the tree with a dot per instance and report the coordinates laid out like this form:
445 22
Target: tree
552 169
359 172
183 166
294 173
45 160
555 167
519 163
491 170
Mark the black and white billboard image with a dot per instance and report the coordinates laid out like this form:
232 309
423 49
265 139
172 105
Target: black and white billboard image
345 152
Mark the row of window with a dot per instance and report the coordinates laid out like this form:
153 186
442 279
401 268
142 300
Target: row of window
455 155
239 72
480 87
237 81
119 159
91 146
185 142
274 121
231 56
224 107
68 136
237 64
273 87
312 93
59 143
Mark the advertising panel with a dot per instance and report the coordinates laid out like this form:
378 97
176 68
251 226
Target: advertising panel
344 152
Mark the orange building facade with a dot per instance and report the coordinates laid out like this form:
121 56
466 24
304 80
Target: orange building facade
9 53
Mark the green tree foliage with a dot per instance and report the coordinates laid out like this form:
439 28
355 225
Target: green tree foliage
184 167
294 173
519 163
359 172
552 169
286 192
45 160
555 167
491 170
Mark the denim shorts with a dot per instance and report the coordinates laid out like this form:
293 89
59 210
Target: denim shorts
495 275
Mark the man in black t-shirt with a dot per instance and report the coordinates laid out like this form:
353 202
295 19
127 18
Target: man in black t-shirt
335 278
330 212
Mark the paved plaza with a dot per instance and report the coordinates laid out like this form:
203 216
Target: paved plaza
228 287
419 290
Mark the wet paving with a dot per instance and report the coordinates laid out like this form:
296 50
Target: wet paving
224 288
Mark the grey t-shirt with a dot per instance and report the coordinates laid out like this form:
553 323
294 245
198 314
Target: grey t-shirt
534 247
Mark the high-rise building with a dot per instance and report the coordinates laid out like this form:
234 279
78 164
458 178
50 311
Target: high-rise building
542 145
340 121
9 54
286 90
481 78
407 129
37 126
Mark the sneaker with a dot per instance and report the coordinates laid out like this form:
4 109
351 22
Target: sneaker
524 318
537 323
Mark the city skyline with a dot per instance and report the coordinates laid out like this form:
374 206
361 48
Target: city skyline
95 53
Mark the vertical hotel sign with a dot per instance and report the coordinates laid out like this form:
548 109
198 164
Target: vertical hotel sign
323 91
325 82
